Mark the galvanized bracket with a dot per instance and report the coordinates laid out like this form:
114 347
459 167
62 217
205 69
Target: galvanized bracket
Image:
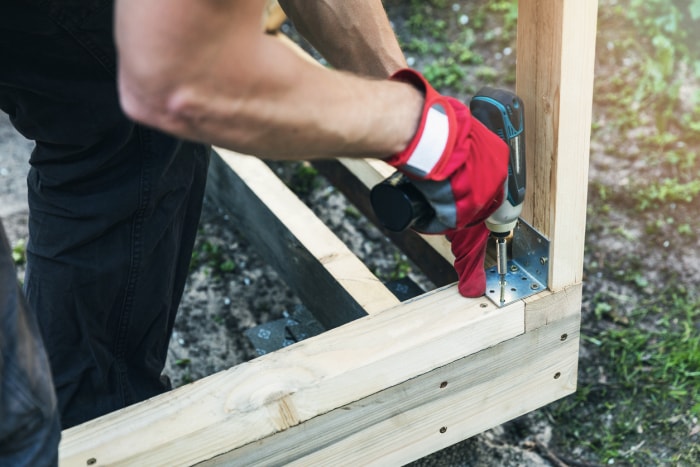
528 268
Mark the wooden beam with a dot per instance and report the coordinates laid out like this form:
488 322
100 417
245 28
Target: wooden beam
274 17
331 281
548 307
335 370
433 411
554 77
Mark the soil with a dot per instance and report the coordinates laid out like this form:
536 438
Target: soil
232 292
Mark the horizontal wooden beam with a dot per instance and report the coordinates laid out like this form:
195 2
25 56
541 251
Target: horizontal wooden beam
331 281
290 387
433 411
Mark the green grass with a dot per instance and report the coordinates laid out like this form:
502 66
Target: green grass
443 35
212 257
19 252
657 195
655 58
304 179
646 389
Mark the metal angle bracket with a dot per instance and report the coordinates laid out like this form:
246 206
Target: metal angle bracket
528 268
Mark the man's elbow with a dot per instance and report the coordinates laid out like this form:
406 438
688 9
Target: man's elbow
154 104
138 103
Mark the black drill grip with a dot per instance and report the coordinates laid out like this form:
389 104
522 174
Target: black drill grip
398 204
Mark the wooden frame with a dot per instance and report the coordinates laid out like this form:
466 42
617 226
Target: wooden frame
393 381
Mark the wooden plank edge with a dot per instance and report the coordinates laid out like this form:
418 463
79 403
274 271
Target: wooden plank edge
288 387
331 281
547 307
274 17
432 411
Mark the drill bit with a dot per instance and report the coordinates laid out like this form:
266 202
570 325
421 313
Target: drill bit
502 264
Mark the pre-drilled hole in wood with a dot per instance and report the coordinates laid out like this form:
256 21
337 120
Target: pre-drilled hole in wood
443 385
557 375
443 429
91 461
564 337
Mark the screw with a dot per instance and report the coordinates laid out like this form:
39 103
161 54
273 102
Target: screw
513 268
543 260
534 286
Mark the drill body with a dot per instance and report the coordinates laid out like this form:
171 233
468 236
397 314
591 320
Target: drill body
502 112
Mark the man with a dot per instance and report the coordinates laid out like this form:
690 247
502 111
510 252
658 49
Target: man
114 204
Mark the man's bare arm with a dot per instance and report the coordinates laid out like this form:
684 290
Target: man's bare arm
203 70
353 36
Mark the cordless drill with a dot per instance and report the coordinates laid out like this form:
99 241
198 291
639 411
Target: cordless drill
399 205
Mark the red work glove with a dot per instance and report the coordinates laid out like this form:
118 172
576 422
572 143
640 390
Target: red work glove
458 164
469 248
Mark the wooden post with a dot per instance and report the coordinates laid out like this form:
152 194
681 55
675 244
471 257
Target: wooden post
554 77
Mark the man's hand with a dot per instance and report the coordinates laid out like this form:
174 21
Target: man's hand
460 167
454 160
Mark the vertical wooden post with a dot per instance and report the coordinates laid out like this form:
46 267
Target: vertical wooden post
554 77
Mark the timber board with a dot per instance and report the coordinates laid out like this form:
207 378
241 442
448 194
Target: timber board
291 386
331 281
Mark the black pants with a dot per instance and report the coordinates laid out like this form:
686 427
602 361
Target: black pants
114 207
29 426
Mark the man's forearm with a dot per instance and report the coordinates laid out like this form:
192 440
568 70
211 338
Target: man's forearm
203 70
353 36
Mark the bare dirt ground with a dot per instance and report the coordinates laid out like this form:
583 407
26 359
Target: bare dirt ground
232 291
